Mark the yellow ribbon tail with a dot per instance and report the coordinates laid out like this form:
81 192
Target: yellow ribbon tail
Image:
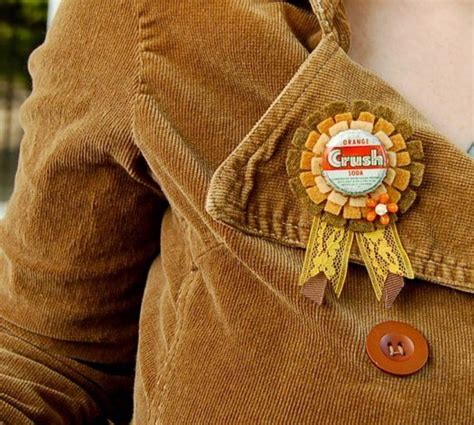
327 252
384 256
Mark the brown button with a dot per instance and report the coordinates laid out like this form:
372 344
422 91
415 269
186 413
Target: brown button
397 348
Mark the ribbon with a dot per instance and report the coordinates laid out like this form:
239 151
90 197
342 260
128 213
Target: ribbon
327 260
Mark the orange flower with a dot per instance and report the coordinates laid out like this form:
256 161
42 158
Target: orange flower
380 206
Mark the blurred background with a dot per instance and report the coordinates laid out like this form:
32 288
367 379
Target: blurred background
23 25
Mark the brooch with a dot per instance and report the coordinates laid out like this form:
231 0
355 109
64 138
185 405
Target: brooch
355 168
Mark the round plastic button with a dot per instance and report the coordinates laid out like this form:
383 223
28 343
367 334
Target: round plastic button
397 348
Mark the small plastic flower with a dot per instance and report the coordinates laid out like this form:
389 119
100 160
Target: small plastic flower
379 207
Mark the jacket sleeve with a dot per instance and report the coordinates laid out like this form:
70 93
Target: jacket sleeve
81 229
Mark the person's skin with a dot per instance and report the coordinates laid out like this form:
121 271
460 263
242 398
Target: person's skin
425 50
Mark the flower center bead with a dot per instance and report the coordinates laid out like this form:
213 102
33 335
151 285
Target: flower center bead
354 162
381 209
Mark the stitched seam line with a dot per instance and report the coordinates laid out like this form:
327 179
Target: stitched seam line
163 371
168 366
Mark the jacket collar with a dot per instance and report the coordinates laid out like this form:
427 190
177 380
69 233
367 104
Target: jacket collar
250 191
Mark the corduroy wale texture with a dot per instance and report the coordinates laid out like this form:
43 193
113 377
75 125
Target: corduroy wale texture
152 247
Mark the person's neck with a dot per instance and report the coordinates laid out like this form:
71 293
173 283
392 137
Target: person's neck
424 49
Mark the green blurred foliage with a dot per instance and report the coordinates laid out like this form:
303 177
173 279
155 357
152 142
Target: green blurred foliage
22 28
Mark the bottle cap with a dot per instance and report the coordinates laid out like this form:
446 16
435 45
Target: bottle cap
354 162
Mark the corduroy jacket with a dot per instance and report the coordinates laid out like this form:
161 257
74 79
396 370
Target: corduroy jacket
150 253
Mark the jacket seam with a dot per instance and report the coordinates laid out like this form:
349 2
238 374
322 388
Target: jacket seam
167 367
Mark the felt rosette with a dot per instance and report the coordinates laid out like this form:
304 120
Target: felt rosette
355 168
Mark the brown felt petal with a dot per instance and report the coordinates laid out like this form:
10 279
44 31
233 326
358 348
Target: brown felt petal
297 188
310 206
335 108
417 170
300 192
313 119
361 226
299 137
406 201
404 128
335 220
315 287
384 112
359 106
293 162
415 149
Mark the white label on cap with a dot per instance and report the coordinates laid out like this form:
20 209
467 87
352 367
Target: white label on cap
354 162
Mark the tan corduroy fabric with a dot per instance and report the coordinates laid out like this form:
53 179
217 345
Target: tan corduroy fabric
152 210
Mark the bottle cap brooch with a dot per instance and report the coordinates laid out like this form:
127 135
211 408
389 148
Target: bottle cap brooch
355 168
